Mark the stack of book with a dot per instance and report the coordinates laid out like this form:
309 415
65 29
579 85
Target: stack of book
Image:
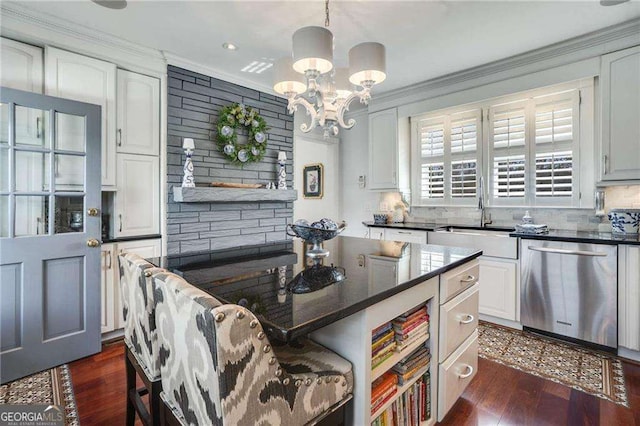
383 344
408 366
382 390
411 326
411 408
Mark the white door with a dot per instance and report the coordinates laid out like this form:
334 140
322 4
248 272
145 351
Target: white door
138 114
498 288
49 239
72 76
136 203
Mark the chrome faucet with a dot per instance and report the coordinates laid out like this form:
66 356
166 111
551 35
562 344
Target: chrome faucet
485 219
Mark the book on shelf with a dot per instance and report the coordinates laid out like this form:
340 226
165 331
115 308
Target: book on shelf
380 342
419 330
391 394
407 314
378 331
382 347
379 359
407 327
381 384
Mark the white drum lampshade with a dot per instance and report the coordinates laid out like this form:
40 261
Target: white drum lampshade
313 50
367 62
286 80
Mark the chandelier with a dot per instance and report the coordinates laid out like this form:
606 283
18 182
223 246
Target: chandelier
308 78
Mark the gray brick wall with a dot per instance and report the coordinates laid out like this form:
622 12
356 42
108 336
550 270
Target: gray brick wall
193 106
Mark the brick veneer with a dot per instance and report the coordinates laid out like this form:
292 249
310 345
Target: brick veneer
194 101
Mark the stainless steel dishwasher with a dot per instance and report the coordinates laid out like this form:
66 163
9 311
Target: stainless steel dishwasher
570 290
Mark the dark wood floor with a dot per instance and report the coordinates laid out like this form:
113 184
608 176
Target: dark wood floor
497 395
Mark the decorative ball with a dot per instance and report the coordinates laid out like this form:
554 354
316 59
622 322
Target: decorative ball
260 137
226 131
229 149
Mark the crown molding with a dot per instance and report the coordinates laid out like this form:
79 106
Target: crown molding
585 46
179 61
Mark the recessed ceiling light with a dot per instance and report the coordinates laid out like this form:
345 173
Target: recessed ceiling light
612 2
111 4
229 46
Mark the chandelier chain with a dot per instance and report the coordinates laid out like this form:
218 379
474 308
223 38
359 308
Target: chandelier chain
326 11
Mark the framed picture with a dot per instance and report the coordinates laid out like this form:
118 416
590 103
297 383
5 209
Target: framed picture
313 180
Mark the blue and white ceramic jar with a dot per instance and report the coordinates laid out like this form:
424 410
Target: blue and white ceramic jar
625 221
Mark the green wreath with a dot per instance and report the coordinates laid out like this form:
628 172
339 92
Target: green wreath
231 118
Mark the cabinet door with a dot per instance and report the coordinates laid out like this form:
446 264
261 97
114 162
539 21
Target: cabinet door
498 288
107 285
138 116
383 147
136 202
72 76
620 79
629 297
382 271
21 68
143 248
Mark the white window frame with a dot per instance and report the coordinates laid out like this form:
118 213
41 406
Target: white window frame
582 94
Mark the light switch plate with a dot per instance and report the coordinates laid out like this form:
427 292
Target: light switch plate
362 181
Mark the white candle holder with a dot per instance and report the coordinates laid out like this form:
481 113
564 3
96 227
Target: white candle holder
187 179
282 174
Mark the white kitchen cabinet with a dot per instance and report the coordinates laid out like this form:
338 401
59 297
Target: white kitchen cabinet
112 318
388 151
620 82
376 233
629 297
77 77
498 288
384 270
138 114
405 235
136 202
108 268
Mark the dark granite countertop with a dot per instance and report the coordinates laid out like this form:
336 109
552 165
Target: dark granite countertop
418 226
582 237
256 276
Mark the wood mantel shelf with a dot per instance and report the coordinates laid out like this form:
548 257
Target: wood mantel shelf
231 195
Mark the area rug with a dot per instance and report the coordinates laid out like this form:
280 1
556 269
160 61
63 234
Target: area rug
47 387
586 370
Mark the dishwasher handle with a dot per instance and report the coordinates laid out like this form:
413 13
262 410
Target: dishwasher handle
565 251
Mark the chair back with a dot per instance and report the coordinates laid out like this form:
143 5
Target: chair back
136 298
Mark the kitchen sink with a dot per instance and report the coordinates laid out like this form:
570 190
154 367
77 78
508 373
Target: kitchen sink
492 242
481 231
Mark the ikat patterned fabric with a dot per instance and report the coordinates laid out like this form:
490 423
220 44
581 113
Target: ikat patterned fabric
136 296
219 368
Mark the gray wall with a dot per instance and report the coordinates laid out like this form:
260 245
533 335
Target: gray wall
193 106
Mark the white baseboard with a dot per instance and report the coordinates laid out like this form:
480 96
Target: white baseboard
501 321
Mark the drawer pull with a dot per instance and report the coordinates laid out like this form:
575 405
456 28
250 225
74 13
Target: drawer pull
469 372
404 232
468 279
468 319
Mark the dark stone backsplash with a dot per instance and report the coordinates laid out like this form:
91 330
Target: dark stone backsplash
194 101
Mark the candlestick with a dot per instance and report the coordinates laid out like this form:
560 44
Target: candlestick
187 179
282 174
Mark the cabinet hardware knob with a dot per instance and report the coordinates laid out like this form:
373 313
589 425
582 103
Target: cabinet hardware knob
93 243
468 373
92 211
468 319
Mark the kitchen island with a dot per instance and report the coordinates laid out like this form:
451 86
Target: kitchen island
384 279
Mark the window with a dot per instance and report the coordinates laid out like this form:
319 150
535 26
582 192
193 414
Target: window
448 151
525 147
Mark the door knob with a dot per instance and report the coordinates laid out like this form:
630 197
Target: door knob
93 243
92 211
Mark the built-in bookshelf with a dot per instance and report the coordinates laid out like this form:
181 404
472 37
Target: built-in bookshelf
401 386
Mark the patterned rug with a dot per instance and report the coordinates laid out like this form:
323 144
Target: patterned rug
583 369
47 387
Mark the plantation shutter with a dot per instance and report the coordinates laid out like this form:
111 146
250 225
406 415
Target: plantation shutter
555 126
431 136
464 154
508 146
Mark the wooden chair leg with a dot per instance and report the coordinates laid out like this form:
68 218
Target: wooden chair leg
131 385
155 402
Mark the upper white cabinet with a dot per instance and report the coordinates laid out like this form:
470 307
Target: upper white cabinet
388 151
620 80
20 66
138 114
136 204
77 77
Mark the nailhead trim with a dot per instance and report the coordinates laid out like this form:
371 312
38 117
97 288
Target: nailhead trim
261 335
272 360
319 381
239 314
278 372
328 380
286 381
219 316
344 383
253 323
337 379
147 273
266 349
298 383
308 382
